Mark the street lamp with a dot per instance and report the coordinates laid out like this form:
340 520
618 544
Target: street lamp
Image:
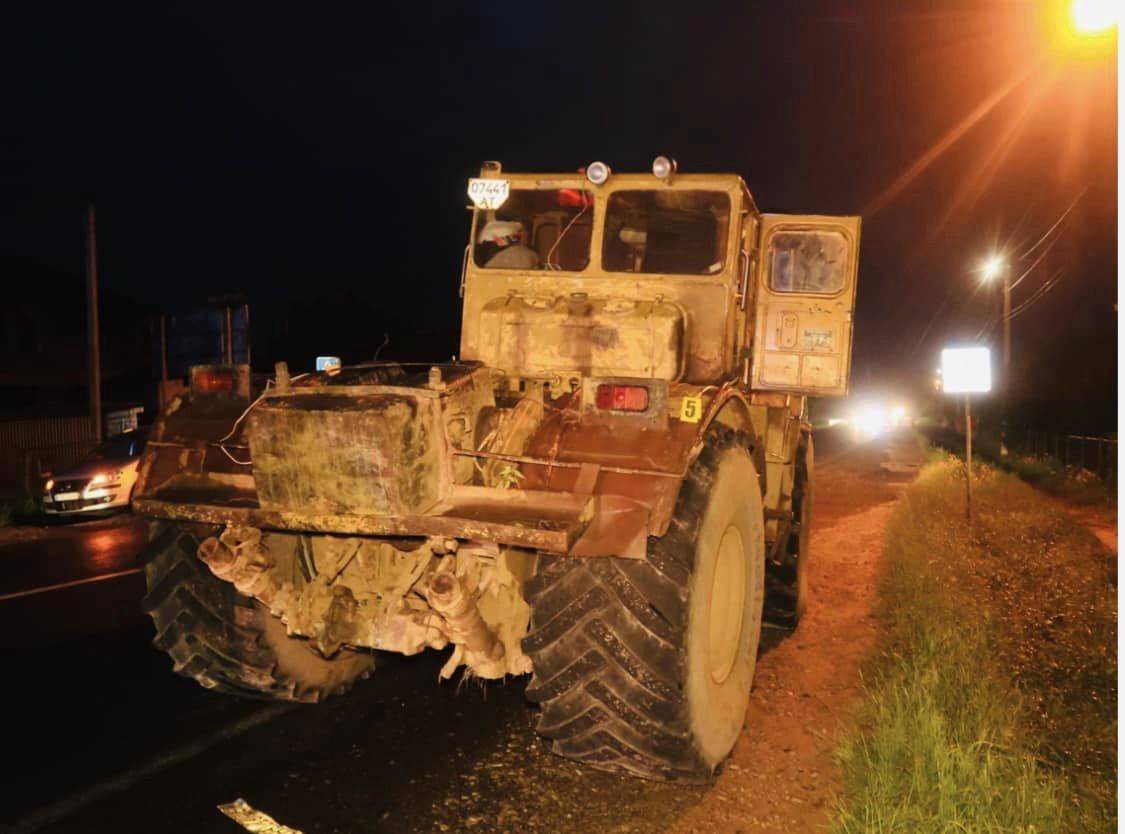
996 266
1092 16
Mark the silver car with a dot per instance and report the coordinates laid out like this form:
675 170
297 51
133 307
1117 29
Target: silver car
103 481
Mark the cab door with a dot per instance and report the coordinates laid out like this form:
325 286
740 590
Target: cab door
805 298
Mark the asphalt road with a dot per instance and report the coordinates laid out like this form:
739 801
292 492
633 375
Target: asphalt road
107 738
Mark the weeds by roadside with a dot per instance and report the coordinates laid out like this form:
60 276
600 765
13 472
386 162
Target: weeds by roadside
1071 483
16 506
992 702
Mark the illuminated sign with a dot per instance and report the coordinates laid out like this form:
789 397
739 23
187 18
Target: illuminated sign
328 363
966 370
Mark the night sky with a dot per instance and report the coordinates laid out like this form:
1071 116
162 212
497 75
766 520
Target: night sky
321 154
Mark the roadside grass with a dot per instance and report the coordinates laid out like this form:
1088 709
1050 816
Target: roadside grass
1071 483
991 701
16 506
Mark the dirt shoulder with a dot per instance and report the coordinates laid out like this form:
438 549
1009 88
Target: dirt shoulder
1101 520
782 776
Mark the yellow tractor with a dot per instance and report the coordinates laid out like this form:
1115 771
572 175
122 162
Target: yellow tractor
609 489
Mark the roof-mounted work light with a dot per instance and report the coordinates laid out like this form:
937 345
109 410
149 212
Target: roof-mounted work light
597 173
663 167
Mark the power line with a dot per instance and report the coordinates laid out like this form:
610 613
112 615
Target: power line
1055 225
1038 294
1031 268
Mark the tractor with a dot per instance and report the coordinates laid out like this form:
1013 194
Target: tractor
609 488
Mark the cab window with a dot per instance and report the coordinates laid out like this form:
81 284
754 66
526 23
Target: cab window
536 229
668 231
808 262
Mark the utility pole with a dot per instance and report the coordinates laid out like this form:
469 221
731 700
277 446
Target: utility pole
93 344
1007 354
969 461
1006 358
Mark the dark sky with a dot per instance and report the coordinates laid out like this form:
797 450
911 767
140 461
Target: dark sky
324 151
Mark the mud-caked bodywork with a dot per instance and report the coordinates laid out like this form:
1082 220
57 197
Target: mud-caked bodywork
628 342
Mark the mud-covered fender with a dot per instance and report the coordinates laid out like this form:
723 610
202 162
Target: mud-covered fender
642 460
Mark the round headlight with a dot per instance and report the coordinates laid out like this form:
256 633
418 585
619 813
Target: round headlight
597 173
663 167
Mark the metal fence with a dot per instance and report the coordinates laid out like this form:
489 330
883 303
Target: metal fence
1095 454
30 447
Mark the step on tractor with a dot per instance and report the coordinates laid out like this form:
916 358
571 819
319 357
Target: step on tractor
609 489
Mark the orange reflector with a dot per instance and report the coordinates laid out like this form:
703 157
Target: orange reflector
622 398
212 380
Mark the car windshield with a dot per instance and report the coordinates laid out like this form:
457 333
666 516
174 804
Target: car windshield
120 446
667 231
536 229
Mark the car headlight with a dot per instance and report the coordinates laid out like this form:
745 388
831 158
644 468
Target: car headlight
104 480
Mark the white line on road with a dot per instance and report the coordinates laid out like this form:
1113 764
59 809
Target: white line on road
71 804
46 588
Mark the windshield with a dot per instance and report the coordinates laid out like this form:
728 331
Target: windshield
667 231
120 446
536 229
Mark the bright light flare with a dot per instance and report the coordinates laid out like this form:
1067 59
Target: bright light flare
1093 16
992 267
870 421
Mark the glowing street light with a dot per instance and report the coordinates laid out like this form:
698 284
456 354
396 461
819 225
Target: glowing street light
992 267
1093 16
996 266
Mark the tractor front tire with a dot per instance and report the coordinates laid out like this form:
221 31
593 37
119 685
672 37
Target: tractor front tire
226 641
644 666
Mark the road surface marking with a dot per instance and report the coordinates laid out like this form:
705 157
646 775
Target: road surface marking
74 583
254 820
75 802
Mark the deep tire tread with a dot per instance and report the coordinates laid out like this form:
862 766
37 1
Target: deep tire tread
608 644
213 634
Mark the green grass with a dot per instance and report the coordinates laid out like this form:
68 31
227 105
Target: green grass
15 507
991 701
1071 483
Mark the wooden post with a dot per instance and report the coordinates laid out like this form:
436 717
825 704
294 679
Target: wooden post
969 461
93 345
163 348
230 338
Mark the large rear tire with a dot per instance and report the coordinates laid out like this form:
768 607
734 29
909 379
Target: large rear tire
226 641
645 666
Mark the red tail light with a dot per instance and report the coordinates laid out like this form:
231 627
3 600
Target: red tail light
205 380
622 398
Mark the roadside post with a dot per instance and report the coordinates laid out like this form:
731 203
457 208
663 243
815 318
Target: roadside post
968 371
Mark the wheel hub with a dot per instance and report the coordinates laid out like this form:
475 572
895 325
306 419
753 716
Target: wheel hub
727 605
